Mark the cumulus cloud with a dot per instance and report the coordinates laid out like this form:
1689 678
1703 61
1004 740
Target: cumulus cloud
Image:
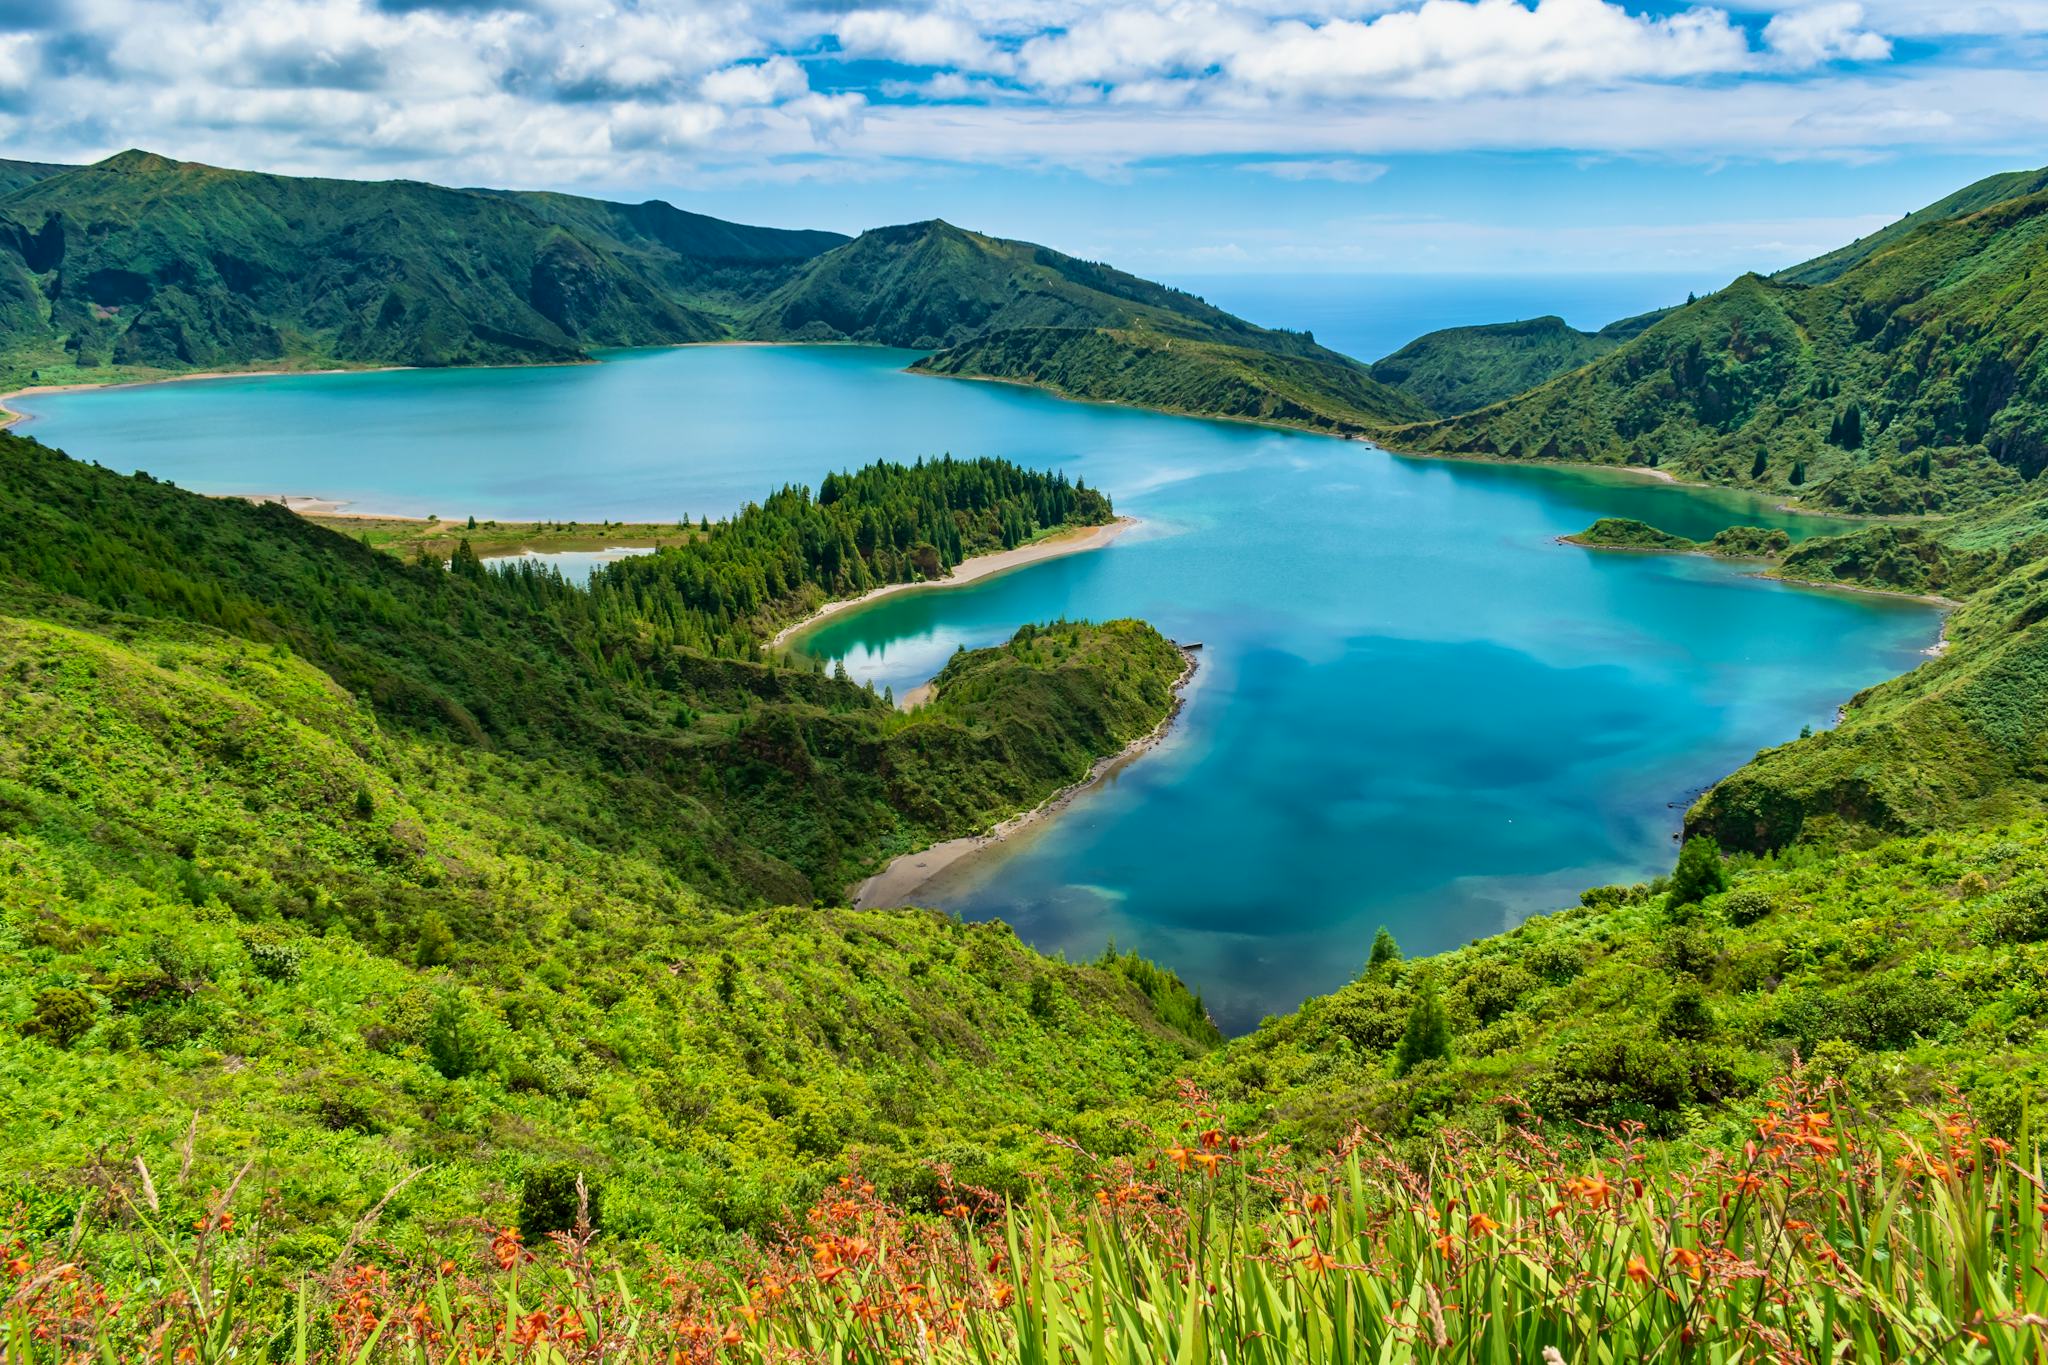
928 39
1452 49
1825 33
558 91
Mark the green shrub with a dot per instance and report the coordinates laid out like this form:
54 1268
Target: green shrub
1686 1014
1699 873
1555 961
61 1016
2020 914
1745 905
1492 988
1690 951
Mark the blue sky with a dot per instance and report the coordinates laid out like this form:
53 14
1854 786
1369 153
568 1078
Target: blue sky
1180 138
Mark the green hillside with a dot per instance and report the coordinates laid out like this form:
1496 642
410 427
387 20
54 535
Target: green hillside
1462 368
15 174
143 264
1914 382
375 862
1992 189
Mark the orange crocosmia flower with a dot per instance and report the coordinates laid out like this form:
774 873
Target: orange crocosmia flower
1318 1262
1317 1203
1447 1245
1687 1260
1212 1138
1179 1156
1208 1161
1638 1270
733 1336
1479 1225
1000 1294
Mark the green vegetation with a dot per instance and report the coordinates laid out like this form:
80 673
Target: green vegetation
1462 368
382 865
1911 380
778 560
1735 542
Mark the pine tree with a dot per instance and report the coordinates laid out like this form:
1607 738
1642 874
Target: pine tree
1385 952
1428 1035
1699 873
1798 472
1759 466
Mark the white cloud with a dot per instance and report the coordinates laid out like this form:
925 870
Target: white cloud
18 60
918 39
768 82
626 91
1825 33
1452 49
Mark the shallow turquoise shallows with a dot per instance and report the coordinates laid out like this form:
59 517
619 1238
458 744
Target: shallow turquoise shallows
1415 707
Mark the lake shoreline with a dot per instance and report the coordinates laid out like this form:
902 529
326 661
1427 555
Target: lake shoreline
909 873
970 570
1931 599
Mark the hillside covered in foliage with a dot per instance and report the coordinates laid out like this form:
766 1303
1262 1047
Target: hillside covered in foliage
380 865
1461 368
1910 380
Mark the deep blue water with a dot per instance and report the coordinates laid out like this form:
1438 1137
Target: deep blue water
1415 707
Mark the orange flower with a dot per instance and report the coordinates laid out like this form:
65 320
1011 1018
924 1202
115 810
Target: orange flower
1479 1225
1638 1270
1179 1156
1317 1262
1000 1294
1208 1161
1686 1260
1317 1203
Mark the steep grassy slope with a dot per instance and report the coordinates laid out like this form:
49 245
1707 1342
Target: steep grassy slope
748 780
354 953
1916 381
143 262
15 174
1992 189
1902 968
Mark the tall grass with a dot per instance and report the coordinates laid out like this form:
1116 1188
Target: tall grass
1812 1243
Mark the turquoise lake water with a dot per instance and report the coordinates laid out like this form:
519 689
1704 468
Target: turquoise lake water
1415 708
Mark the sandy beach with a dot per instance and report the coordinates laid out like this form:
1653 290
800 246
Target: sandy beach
972 570
899 882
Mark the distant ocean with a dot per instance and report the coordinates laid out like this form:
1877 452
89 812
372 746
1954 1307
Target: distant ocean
1368 316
